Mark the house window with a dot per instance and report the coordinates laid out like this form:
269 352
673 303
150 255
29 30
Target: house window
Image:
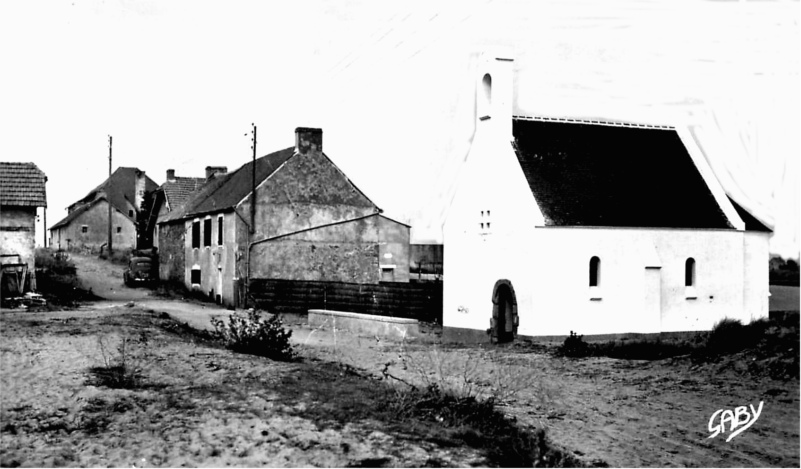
130 213
220 230
207 232
595 271
196 234
195 280
689 272
119 229
84 229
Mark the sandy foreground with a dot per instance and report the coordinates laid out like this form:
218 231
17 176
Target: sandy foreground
199 405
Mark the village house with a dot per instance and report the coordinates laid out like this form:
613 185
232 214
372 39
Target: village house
308 222
86 223
22 192
562 225
171 196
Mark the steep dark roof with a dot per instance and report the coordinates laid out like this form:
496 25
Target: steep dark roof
121 188
22 184
177 192
222 192
619 176
751 222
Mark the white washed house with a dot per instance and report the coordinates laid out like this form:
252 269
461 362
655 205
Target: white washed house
596 227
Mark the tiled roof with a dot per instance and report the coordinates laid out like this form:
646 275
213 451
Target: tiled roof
178 191
599 175
751 222
22 184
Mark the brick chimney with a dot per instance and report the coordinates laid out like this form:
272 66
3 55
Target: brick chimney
307 139
212 170
170 175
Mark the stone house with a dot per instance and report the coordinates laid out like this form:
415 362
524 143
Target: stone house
86 223
307 221
22 192
595 227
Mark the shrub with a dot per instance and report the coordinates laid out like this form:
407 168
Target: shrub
118 369
252 335
728 336
57 262
574 346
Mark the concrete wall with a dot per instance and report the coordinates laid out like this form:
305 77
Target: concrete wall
346 252
393 250
17 233
96 221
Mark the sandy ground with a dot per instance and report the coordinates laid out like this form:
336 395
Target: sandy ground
626 413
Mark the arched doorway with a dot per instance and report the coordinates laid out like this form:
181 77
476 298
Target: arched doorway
504 312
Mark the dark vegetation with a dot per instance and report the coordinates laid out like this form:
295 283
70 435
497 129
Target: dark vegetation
57 281
255 336
783 272
772 346
477 422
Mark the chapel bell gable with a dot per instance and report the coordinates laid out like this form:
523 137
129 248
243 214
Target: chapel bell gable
494 91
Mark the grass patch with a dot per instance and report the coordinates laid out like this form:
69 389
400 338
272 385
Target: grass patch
772 341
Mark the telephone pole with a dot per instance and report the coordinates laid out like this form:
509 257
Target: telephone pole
108 197
253 186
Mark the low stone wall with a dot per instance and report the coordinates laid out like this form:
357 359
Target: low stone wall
367 324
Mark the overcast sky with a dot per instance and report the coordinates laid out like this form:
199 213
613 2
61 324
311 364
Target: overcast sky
178 84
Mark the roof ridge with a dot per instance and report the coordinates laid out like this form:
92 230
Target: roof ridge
571 120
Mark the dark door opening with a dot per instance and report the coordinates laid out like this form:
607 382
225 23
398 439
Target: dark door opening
504 312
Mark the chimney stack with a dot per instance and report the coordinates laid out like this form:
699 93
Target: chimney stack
170 175
212 170
307 139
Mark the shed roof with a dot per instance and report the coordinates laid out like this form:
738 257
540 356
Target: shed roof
22 184
619 176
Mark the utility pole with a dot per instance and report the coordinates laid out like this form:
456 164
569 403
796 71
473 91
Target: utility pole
253 185
108 197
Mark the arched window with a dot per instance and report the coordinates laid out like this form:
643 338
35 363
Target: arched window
485 100
487 88
595 271
689 272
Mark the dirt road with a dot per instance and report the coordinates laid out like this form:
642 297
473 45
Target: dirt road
627 413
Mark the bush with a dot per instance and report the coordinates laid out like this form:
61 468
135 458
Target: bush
252 335
574 346
118 369
57 262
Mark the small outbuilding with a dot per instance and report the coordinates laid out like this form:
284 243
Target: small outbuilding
22 192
